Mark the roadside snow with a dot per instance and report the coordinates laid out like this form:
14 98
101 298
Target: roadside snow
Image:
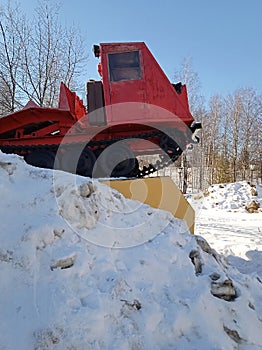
221 218
83 268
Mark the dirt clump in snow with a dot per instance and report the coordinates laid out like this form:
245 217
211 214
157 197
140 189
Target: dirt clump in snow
254 192
253 207
224 290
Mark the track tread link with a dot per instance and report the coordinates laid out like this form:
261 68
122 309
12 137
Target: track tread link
165 160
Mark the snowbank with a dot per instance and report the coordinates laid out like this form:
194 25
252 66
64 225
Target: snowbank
83 268
230 196
222 219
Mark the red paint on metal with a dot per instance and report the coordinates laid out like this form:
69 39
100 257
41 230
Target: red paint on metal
154 88
131 107
68 100
30 104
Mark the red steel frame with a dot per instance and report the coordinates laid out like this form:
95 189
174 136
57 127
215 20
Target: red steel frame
123 117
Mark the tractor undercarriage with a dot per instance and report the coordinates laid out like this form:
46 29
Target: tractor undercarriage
103 158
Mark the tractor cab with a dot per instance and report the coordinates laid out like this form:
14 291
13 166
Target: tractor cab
130 74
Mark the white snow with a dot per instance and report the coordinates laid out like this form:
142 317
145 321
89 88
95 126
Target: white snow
83 268
221 218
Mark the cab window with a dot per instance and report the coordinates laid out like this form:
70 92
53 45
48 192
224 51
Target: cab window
124 66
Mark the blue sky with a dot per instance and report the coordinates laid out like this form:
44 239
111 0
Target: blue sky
223 37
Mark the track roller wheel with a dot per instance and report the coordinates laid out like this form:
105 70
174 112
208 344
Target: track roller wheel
117 160
41 159
76 162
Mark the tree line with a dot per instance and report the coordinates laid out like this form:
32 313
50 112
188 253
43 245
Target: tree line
37 53
231 137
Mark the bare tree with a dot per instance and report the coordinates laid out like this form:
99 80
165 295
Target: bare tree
249 106
253 136
233 112
212 144
188 76
11 52
36 55
51 55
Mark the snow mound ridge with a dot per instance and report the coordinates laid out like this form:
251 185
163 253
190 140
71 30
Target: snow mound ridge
230 196
72 279
105 217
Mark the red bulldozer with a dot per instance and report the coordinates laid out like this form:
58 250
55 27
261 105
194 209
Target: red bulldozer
133 110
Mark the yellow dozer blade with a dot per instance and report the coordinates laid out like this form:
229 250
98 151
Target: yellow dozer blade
158 192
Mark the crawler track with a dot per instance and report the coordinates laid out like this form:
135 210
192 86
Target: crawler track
163 161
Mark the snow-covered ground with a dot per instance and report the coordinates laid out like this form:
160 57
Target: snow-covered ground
83 268
221 218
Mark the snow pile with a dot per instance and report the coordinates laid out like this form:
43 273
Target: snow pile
222 219
83 268
231 196
103 216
